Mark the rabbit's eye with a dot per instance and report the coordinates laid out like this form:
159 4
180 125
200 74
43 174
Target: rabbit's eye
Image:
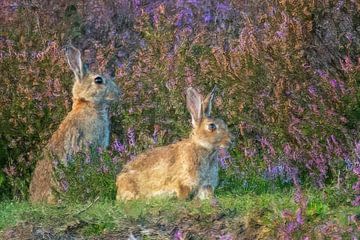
99 80
212 127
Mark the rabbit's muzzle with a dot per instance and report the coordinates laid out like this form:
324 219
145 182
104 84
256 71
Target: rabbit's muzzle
227 141
113 93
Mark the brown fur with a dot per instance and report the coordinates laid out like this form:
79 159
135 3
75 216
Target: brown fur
180 169
87 123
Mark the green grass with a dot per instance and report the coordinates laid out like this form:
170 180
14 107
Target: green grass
106 217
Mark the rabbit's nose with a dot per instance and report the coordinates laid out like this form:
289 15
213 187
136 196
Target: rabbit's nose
114 94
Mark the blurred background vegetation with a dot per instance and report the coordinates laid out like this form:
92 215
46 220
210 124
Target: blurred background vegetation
287 73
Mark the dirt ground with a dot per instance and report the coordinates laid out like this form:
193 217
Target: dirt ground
218 227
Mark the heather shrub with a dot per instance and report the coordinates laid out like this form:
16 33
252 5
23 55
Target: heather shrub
90 175
35 97
284 109
287 74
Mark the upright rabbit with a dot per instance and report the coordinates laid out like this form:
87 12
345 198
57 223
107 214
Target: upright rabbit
184 168
87 123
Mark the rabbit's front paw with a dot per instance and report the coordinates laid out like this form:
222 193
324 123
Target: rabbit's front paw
205 192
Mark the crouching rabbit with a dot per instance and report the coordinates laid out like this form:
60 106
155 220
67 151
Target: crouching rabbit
183 169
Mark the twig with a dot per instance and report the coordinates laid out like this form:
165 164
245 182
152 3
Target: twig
87 207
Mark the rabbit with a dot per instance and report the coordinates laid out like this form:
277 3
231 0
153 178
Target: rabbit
87 123
183 169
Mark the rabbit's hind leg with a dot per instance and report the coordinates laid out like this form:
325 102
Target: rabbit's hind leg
126 189
42 183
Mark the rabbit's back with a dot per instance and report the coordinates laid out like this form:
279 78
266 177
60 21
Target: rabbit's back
160 171
82 127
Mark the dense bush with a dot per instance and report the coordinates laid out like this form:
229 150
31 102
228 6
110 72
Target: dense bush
91 174
288 74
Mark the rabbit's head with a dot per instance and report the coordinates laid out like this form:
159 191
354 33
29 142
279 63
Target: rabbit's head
208 132
88 86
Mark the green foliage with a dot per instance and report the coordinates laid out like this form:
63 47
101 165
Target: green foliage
2 179
89 176
106 217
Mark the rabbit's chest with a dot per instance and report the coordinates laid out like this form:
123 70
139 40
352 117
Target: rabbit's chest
96 131
82 130
207 170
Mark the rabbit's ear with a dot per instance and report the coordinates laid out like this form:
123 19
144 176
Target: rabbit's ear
193 103
208 102
73 56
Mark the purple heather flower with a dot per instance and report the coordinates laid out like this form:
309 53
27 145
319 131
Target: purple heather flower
13 6
321 73
356 201
99 150
10 171
221 7
179 3
178 235
352 218
137 2
341 86
356 186
184 17
104 169
329 145
115 160
131 136
156 19
349 165
207 16
224 158
286 214
333 139
333 83
357 149
291 227
293 173
265 143
249 152
118 146
298 197
356 170
194 2
267 26
87 158
312 90
280 34
64 184
170 85
189 76
299 217
349 36
346 64
287 151
226 237
340 4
